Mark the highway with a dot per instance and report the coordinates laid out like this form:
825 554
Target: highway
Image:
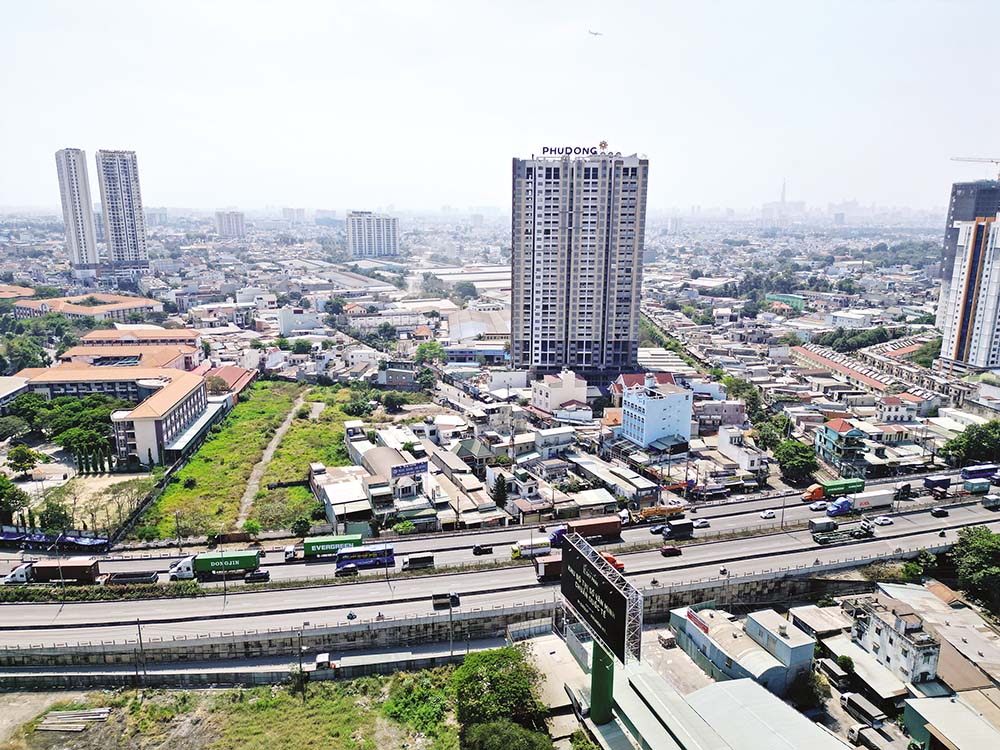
40 624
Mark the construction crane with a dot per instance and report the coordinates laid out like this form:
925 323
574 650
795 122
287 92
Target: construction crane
980 160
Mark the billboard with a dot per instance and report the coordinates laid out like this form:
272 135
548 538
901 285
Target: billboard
597 600
408 470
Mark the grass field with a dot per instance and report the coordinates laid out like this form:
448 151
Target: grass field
207 491
370 713
307 440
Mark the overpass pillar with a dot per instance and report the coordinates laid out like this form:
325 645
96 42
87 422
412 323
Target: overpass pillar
602 678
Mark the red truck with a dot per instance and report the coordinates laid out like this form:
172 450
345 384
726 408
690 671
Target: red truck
600 529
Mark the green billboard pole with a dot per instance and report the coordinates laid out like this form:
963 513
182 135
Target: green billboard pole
602 679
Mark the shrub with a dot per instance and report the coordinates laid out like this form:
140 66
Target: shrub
503 735
190 483
404 527
251 527
301 526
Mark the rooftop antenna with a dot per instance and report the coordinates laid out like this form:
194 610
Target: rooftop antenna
980 160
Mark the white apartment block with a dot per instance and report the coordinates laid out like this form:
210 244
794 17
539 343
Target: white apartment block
971 314
577 232
890 631
653 411
371 235
124 219
552 391
230 224
78 211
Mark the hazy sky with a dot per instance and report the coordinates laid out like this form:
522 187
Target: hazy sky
418 104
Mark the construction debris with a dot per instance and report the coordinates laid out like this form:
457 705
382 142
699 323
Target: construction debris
72 721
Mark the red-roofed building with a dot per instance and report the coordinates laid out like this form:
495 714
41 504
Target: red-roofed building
840 443
630 380
236 378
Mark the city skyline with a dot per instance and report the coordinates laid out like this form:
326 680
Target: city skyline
756 95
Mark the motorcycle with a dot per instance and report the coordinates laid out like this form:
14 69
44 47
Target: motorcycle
351 616
723 571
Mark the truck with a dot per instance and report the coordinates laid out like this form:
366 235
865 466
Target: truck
207 565
862 709
318 546
821 524
862 501
604 527
129 577
976 486
865 530
76 570
416 562
938 481
832 488
991 501
662 512
865 736
549 567
678 530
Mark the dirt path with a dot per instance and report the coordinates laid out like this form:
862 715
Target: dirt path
253 484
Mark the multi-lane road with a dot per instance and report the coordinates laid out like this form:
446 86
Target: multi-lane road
397 597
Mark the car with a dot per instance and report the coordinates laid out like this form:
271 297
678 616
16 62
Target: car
668 550
701 523
767 514
882 521
257 576
819 505
346 570
482 549
658 529
939 512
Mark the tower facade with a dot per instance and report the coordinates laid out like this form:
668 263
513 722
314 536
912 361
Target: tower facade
577 236
78 211
371 235
124 220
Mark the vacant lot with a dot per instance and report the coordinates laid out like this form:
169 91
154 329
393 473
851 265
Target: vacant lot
206 492
372 713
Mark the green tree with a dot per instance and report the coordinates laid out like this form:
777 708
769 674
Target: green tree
216 385
13 500
976 443
504 735
846 663
404 527
429 351
30 407
386 331
206 349
796 460
809 690
302 347
21 459
81 439
768 438
301 526
251 527
977 562
12 427
426 379
498 684
282 343
465 290
54 516
500 491
22 352
335 306
744 390
392 401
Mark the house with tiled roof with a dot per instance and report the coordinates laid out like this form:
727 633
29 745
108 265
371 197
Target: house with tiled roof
630 380
841 445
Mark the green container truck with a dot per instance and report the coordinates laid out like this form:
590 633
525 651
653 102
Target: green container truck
207 565
833 488
329 545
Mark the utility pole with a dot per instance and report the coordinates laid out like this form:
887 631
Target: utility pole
177 526
302 675
142 650
451 626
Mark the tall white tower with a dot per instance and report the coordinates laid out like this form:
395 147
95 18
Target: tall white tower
370 235
78 211
124 220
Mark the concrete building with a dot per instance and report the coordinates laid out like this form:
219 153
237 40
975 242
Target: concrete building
371 235
894 634
732 446
124 219
841 444
970 315
956 723
97 306
78 212
552 391
142 337
292 319
230 224
577 229
652 412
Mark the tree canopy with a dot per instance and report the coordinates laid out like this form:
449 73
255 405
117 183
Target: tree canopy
977 562
977 443
495 685
429 351
796 460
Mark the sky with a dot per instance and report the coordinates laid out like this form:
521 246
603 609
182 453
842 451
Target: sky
417 104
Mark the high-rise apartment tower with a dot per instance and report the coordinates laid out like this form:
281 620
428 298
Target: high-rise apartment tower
124 220
577 234
230 224
78 211
370 235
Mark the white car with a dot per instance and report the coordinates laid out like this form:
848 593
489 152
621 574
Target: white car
882 520
819 505
767 514
701 523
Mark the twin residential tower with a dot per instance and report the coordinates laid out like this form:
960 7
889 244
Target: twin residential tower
121 205
577 234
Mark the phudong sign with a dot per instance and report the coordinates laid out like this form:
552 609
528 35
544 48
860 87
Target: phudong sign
595 599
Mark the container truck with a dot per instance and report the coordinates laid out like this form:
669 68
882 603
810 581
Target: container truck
129 577
76 570
678 530
862 501
938 481
864 531
822 524
991 501
862 709
662 512
549 567
210 564
832 488
976 486
602 528
328 545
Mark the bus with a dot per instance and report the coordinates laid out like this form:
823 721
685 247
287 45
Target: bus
980 471
530 548
373 556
